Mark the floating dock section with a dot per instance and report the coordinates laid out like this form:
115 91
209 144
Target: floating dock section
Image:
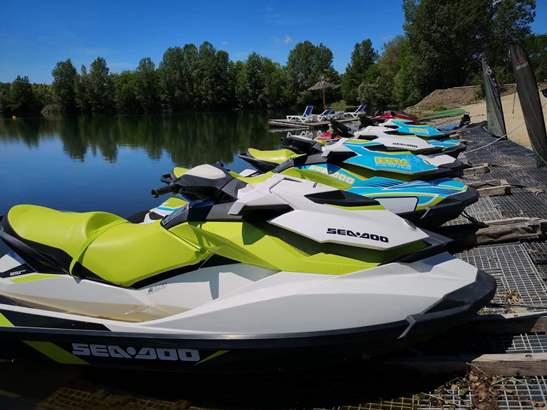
287 124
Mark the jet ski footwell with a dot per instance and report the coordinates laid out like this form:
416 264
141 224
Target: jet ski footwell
70 339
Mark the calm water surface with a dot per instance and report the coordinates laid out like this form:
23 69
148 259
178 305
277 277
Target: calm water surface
112 163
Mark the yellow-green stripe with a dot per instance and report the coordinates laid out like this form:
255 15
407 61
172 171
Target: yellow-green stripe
4 322
55 352
212 356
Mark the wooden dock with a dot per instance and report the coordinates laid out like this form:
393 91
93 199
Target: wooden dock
284 123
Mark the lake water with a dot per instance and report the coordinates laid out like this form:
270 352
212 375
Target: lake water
111 164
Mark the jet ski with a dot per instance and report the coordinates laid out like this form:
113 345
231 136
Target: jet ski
426 203
385 138
407 127
244 277
387 115
369 156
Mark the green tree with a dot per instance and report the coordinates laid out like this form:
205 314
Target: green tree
171 79
189 72
21 99
146 86
536 47
125 85
101 87
510 19
64 85
259 83
396 66
214 89
4 97
306 64
83 91
448 36
275 84
375 90
43 95
362 57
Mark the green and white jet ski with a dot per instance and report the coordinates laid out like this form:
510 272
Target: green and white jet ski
391 139
428 198
244 277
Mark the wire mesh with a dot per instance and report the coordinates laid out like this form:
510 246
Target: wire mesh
514 271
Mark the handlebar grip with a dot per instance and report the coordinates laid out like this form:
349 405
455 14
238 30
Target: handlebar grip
167 178
163 190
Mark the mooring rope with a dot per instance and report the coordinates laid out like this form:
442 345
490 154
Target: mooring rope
505 135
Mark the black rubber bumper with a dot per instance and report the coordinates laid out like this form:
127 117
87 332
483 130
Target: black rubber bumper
448 209
453 309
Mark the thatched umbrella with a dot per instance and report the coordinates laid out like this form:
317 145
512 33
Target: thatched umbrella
322 85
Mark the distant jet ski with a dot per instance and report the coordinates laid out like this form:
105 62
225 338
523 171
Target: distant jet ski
392 140
388 115
409 128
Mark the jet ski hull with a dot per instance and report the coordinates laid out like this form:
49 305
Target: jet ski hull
28 335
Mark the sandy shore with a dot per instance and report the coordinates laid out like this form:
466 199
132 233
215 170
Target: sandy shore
514 121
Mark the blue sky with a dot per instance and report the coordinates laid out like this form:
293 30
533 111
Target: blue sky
35 34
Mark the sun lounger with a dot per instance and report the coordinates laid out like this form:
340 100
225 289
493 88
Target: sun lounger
358 111
307 116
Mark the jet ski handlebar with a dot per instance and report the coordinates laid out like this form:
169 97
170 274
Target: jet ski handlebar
203 182
157 192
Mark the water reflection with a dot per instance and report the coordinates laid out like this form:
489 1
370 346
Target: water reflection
111 164
191 138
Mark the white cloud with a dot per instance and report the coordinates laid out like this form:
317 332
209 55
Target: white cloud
286 39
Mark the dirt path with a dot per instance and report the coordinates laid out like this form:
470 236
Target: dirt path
514 120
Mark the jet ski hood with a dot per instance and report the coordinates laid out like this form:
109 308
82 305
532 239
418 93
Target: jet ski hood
380 134
407 127
302 207
390 138
359 153
318 222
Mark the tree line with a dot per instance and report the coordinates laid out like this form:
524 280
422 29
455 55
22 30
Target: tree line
441 47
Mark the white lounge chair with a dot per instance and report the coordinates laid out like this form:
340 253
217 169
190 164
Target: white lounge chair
358 111
330 114
307 116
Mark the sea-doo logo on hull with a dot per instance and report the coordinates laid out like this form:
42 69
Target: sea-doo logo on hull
392 162
143 353
354 234
404 144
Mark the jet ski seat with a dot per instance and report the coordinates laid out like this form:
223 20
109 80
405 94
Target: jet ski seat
97 245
